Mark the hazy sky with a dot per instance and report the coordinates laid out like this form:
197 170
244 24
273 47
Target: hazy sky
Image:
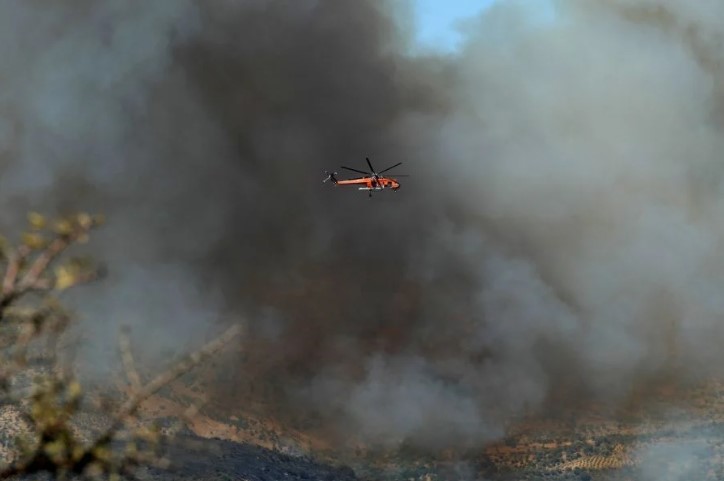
436 20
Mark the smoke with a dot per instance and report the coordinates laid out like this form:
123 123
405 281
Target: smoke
558 238
604 167
672 461
680 459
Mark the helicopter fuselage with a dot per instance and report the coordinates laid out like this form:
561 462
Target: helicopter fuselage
372 181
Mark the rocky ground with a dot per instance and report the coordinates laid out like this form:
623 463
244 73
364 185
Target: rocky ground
676 435
193 457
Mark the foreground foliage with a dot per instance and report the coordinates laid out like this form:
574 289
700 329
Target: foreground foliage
36 377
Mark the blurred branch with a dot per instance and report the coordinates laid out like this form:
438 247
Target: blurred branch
97 457
176 371
18 280
11 273
43 261
46 394
129 365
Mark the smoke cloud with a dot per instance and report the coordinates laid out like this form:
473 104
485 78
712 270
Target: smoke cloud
559 237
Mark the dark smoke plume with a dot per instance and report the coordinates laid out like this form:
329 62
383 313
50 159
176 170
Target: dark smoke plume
559 237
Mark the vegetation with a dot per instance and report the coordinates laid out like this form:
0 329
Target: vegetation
36 375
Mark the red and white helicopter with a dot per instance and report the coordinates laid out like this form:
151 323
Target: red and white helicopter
371 181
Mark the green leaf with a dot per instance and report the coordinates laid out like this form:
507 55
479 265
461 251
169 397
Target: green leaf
63 227
36 221
34 240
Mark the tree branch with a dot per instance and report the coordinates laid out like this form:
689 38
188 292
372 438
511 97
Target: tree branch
43 261
129 366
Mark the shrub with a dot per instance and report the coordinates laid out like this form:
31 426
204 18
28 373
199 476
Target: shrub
35 380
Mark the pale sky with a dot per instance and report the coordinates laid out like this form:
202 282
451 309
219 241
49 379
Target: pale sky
436 20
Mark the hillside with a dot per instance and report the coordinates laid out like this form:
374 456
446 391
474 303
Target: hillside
670 431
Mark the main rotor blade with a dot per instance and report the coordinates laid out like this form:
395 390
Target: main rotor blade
372 169
388 168
355 170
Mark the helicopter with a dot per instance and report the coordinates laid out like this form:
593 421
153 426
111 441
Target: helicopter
371 181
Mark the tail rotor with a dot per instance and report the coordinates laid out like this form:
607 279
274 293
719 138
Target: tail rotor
330 176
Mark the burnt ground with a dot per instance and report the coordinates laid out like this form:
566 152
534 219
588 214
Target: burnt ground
195 458
676 435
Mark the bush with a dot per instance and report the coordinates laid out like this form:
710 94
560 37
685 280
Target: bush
37 383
